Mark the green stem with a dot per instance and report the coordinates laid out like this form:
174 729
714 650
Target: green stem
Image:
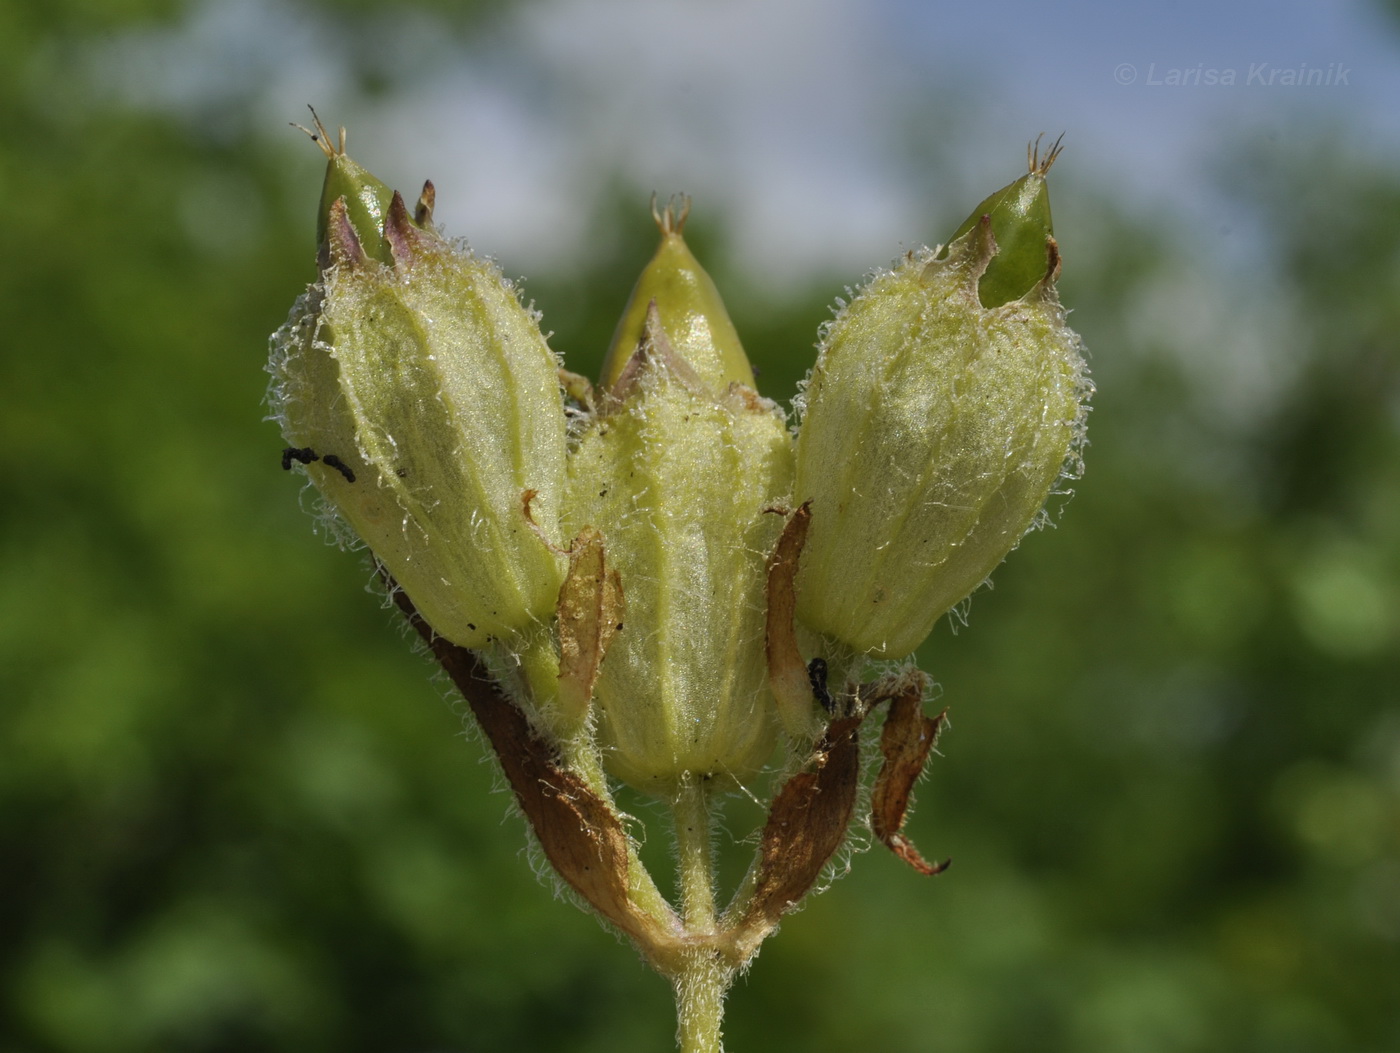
695 848
701 982
703 974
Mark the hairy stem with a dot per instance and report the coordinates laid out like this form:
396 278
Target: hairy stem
702 973
700 983
695 848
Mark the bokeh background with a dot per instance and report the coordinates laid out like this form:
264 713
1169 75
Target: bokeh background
236 813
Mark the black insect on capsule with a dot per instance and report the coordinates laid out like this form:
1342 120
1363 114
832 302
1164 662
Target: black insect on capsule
303 455
330 460
816 674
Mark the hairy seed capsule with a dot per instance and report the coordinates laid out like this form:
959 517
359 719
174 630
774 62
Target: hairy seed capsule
679 475
934 429
678 480
434 389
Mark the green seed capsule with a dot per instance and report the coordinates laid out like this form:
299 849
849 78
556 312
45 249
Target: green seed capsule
679 479
692 312
366 198
934 429
436 394
1021 224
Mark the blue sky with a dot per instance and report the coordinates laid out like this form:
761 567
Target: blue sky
1105 70
801 122
825 132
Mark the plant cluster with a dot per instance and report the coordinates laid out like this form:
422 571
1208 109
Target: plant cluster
653 580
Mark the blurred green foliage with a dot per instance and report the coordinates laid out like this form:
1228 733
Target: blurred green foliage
236 814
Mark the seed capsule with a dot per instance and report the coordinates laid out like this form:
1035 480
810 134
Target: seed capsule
435 392
678 472
1021 225
366 198
678 481
934 429
692 313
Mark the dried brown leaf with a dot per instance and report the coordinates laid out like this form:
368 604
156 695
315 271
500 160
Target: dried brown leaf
806 825
590 614
906 742
787 673
580 833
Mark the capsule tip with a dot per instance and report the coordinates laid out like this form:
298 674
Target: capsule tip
321 137
671 219
1041 166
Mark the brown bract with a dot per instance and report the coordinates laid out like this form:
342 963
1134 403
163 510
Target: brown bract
908 738
581 835
806 825
591 610
787 672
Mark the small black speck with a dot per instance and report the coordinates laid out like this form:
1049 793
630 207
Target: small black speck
816 675
471 626
619 627
302 455
602 493
330 460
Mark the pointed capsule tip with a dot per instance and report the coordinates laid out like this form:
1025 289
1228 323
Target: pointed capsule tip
690 306
1020 216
